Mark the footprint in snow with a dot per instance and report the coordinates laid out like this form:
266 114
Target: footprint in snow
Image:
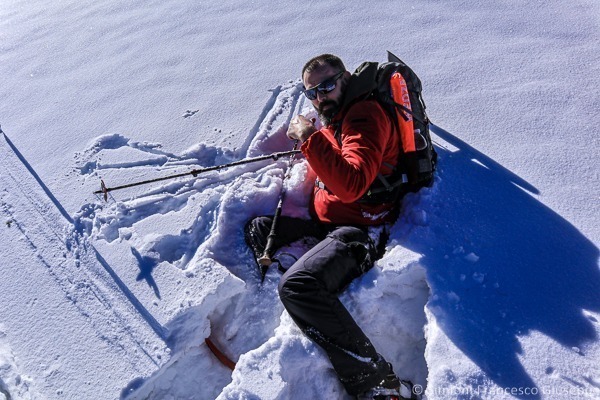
189 113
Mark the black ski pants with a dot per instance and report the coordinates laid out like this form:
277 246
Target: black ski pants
309 291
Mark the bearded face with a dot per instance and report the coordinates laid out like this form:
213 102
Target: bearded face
327 110
324 87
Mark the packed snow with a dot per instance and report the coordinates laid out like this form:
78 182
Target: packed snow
488 288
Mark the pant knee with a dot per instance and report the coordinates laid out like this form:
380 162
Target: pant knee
296 285
286 287
358 243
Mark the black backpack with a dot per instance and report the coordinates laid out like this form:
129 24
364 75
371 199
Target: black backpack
398 89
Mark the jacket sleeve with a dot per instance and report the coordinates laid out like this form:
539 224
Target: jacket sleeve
348 171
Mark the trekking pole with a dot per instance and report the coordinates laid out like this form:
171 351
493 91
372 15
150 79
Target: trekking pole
265 260
275 156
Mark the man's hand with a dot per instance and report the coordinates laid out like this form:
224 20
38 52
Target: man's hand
301 128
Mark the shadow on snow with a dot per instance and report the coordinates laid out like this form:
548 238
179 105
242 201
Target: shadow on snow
530 270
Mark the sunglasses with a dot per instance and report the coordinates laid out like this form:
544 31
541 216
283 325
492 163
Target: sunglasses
324 87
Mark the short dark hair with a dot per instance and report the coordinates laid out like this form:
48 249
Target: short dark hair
324 59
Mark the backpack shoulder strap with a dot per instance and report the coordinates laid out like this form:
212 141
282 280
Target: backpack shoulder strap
362 83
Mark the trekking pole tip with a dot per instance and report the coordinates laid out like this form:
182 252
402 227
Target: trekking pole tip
264 262
263 273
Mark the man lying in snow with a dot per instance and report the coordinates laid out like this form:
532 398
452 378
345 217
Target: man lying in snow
357 143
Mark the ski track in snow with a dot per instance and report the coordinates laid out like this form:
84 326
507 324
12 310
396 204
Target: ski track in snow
76 281
78 270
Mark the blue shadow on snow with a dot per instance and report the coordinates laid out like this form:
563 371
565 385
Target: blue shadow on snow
147 265
531 269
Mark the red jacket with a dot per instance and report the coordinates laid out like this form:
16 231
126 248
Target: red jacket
369 145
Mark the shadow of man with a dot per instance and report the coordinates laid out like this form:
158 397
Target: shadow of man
501 264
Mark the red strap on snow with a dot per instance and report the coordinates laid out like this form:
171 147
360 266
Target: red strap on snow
219 354
405 120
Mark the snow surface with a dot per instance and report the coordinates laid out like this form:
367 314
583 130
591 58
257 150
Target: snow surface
489 285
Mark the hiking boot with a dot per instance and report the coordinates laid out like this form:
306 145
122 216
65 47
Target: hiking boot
390 388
